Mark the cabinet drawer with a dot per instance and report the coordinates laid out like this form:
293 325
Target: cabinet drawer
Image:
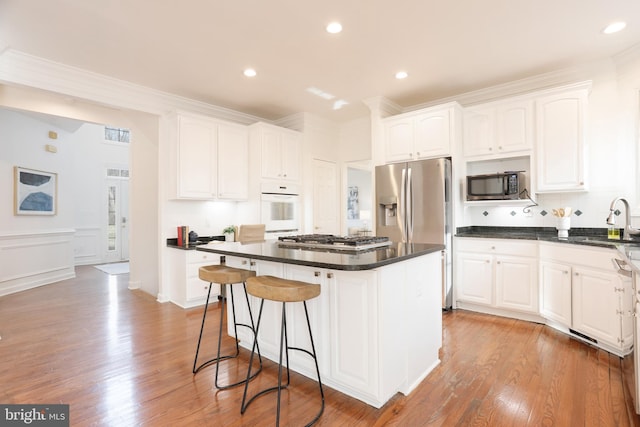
197 288
592 257
497 246
206 258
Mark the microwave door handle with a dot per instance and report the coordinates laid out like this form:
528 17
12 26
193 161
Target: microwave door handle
505 185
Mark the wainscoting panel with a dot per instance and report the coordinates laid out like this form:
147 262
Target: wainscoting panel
86 246
28 260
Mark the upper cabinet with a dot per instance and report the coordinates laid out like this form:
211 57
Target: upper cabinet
280 150
560 140
495 129
421 134
210 157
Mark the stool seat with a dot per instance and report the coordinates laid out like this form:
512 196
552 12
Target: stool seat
282 290
224 275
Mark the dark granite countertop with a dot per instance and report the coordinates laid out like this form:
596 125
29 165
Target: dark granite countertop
202 240
577 236
270 250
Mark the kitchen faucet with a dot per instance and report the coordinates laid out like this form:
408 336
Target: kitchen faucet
611 219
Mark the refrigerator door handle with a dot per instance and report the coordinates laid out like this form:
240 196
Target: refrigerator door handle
409 206
402 205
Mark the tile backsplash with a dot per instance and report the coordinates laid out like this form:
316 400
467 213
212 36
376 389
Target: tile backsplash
589 210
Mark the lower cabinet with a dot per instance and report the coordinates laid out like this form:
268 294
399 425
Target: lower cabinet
555 292
186 289
581 290
497 273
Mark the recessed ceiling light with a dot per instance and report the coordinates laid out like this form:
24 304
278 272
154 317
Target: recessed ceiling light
334 27
614 27
250 72
401 75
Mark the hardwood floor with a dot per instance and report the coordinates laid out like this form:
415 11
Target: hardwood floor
119 358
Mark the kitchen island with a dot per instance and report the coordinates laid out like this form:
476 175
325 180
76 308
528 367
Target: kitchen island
377 323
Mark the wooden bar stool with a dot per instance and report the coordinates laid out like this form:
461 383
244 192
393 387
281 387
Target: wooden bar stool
223 275
282 290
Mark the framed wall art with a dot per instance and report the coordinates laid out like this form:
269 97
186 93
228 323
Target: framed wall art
35 192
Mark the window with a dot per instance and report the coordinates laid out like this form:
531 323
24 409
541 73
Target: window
117 134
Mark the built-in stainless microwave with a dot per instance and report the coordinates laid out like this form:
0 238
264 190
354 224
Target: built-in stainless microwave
495 186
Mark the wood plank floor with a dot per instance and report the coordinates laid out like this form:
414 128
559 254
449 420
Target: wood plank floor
119 358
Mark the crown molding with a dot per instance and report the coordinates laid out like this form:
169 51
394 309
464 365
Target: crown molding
524 86
19 68
382 107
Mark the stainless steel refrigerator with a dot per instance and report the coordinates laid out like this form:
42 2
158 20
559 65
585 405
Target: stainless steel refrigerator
413 205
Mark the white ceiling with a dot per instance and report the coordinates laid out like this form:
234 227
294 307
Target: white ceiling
198 48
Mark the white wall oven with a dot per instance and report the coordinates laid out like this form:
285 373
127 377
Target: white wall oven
280 209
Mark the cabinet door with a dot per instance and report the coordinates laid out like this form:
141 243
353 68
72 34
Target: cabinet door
514 126
432 135
479 132
596 305
271 153
197 140
474 278
555 292
290 154
353 308
233 163
516 283
398 139
560 125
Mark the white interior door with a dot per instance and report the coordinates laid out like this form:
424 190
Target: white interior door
325 198
116 242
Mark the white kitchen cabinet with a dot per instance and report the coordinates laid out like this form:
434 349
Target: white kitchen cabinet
233 162
474 278
498 273
560 140
601 306
211 159
421 134
186 288
555 292
581 290
499 128
353 302
280 150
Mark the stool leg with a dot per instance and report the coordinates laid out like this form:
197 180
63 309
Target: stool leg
235 329
285 341
315 359
204 316
245 404
284 351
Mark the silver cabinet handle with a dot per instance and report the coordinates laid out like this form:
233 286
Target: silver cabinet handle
252 263
330 275
316 273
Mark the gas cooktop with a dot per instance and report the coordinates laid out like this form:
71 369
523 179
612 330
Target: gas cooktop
329 241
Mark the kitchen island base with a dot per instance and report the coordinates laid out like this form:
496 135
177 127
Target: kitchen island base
377 331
